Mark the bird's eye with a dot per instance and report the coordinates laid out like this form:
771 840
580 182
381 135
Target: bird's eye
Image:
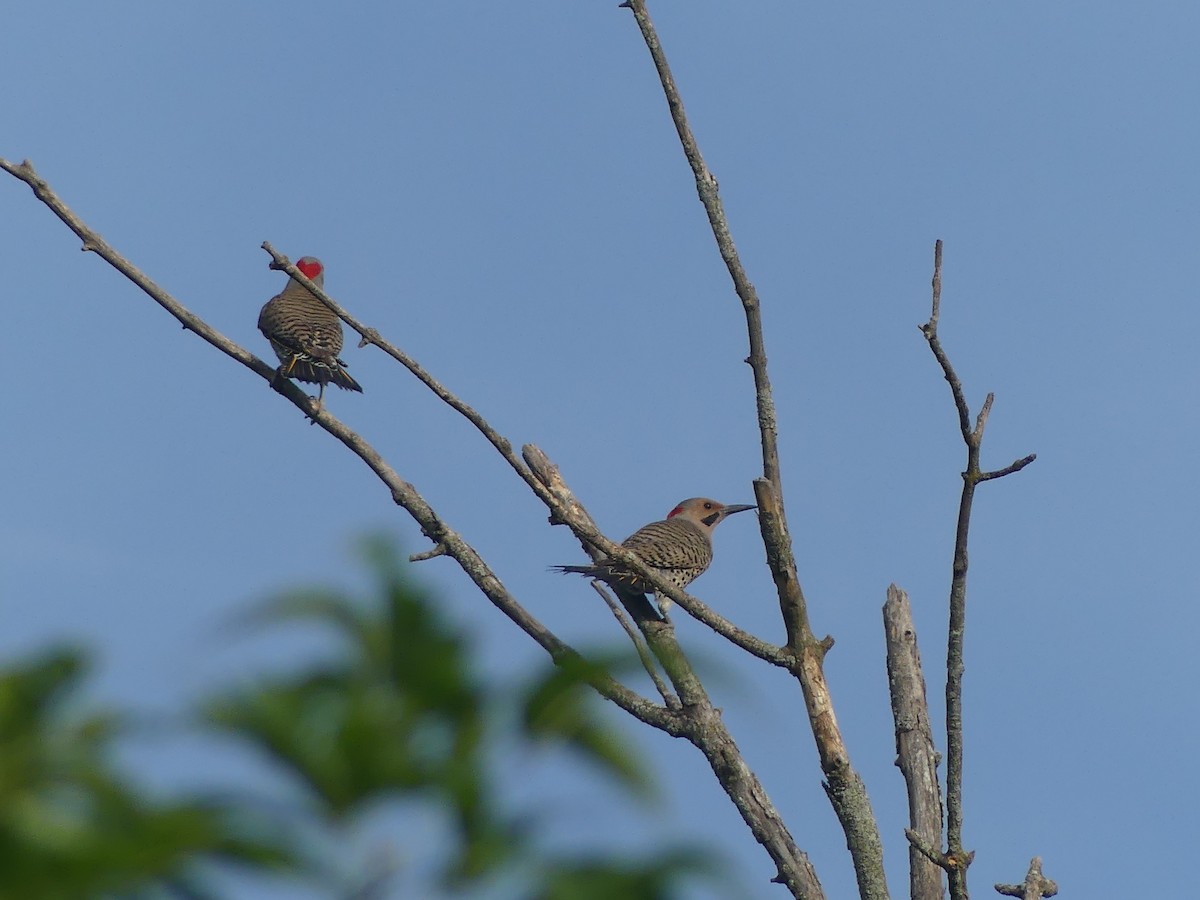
708 506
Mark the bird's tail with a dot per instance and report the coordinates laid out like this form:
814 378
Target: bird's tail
342 378
594 571
636 603
321 370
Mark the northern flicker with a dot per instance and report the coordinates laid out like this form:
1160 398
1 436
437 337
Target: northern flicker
678 549
305 334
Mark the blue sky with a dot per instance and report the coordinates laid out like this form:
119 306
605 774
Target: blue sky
499 190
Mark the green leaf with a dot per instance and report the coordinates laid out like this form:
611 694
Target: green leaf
70 825
608 879
560 706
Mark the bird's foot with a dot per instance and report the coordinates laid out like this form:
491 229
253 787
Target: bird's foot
314 409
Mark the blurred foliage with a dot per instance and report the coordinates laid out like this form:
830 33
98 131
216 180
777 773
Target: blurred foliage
400 711
71 826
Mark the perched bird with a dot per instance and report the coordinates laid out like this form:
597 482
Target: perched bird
305 334
678 549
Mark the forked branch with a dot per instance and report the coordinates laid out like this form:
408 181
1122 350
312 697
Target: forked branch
956 860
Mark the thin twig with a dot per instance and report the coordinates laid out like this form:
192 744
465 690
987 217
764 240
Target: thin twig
709 193
639 645
928 851
845 788
1009 469
371 336
957 859
93 243
438 550
956 871
929 329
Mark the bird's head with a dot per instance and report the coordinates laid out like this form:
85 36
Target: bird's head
708 514
312 269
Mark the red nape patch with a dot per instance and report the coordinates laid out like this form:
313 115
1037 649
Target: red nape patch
310 267
676 511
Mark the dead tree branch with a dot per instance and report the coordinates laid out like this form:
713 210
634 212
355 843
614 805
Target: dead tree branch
956 857
845 788
705 730
403 493
1035 887
709 193
565 509
697 720
438 550
643 652
371 336
915 754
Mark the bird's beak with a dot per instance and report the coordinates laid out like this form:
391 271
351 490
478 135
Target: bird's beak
741 507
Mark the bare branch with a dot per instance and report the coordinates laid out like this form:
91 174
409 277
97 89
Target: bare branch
699 722
639 645
709 193
936 312
929 329
744 789
947 862
371 336
696 719
928 851
981 419
1009 469
438 550
845 788
958 858
915 753
782 564
569 511
93 243
403 493
564 507
1035 887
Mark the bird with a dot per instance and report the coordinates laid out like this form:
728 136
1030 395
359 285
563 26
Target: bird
305 334
678 549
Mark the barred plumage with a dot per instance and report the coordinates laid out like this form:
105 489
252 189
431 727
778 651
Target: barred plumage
678 548
305 334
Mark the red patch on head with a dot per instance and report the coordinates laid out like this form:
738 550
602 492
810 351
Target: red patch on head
310 267
676 511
